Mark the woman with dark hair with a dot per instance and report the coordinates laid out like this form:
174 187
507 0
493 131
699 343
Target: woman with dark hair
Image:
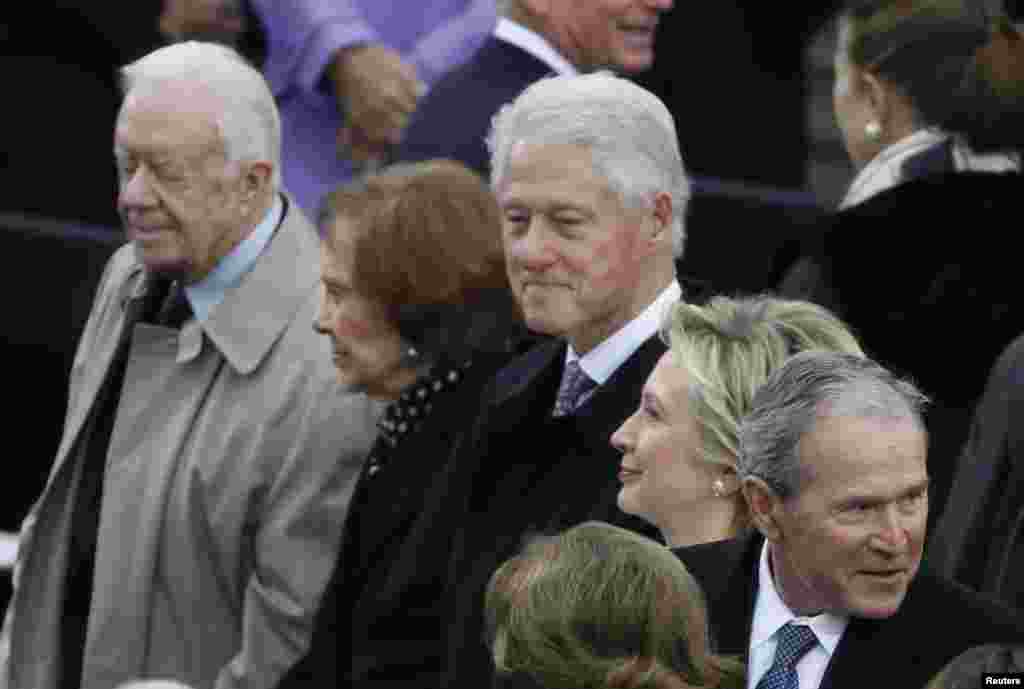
418 310
925 87
929 96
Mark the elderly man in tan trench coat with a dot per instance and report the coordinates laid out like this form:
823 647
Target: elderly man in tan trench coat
232 451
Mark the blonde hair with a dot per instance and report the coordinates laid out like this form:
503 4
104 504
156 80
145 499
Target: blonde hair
730 346
573 609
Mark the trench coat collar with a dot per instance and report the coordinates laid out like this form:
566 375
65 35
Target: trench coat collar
256 312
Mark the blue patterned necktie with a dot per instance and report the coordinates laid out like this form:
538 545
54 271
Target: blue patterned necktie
575 385
795 640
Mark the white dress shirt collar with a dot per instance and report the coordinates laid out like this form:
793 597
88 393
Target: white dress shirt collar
771 614
533 43
602 361
209 292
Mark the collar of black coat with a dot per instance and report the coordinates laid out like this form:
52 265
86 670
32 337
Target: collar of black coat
255 314
527 387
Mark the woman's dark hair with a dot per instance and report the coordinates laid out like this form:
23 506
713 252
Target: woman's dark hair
426 243
961 68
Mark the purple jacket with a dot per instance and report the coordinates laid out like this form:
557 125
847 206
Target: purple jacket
302 37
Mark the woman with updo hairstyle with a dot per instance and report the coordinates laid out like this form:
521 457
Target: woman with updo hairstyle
925 87
419 314
921 258
601 607
680 448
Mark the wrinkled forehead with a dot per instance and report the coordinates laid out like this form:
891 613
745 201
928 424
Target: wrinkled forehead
551 169
855 451
169 115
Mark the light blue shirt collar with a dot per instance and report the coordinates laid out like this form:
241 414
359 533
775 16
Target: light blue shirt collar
206 294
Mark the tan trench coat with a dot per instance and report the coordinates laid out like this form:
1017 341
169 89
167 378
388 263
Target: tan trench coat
230 468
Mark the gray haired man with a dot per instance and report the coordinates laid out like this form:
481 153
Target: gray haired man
830 590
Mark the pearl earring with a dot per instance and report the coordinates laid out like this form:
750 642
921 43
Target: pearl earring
873 130
718 488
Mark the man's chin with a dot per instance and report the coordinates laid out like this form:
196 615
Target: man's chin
169 267
878 609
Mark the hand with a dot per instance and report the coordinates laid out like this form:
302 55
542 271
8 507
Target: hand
220 21
377 91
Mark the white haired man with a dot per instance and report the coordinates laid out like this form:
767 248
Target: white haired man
533 39
191 518
829 591
592 192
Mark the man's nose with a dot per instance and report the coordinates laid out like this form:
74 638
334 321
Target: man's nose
892 533
531 250
136 191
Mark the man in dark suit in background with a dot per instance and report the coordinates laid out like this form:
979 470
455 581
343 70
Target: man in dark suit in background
533 38
829 593
592 191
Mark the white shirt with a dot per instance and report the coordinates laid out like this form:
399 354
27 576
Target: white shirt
885 170
533 43
229 271
602 361
770 615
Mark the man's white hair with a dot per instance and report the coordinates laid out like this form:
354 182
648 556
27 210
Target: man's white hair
249 122
628 130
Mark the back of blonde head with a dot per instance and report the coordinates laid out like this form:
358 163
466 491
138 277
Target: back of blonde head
729 347
574 609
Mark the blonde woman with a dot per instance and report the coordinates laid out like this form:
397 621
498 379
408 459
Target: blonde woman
598 606
679 448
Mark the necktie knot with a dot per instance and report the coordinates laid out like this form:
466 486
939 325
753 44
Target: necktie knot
576 384
794 641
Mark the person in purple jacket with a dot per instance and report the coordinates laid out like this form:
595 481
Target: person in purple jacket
347 74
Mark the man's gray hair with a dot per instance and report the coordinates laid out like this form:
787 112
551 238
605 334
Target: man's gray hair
249 122
628 130
810 386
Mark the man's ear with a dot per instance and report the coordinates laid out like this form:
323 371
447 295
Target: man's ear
878 94
661 215
764 506
257 178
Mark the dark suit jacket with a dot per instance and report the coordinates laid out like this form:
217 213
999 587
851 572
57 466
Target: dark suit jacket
453 119
378 623
522 471
979 540
936 622
927 275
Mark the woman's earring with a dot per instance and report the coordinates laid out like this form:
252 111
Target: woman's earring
410 357
718 488
873 131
